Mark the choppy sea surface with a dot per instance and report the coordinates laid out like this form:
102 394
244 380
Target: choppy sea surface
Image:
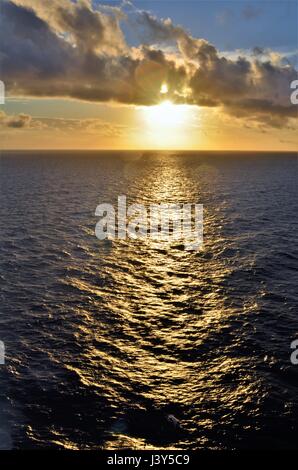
107 339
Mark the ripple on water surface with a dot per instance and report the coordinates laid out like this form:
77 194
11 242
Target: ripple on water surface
142 344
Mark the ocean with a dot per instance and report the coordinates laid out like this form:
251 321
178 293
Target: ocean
110 344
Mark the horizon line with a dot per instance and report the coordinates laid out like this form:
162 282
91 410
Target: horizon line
142 150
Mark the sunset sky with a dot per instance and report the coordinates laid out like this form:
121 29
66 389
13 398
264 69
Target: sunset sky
148 74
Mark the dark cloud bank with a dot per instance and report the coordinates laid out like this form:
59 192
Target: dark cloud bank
62 48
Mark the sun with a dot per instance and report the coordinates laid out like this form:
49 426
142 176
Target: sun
166 115
167 124
164 89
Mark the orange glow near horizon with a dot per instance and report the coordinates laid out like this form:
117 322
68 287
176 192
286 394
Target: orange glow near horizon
168 123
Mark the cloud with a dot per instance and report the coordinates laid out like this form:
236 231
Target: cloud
70 49
263 111
258 51
94 126
88 29
87 126
19 121
36 61
247 87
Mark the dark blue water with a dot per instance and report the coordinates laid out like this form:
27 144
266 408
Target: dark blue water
105 339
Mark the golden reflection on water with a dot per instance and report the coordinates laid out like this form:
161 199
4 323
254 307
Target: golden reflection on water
170 311
106 340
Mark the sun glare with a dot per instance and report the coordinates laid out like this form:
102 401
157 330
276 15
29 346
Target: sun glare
167 124
164 89
166 115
